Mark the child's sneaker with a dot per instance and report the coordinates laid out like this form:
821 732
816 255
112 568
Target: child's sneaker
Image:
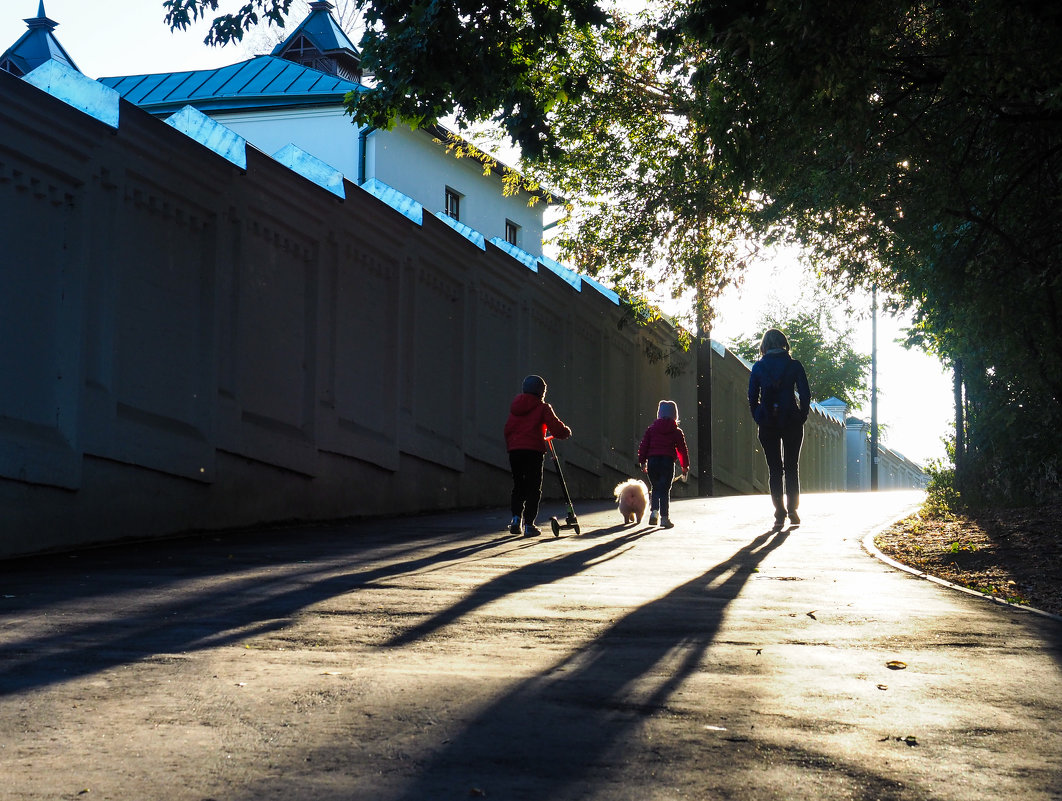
653 518
665 522
530 530
514 526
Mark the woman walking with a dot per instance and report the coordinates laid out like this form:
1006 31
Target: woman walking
780 400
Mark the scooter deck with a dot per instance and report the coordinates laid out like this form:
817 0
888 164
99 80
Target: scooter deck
572 522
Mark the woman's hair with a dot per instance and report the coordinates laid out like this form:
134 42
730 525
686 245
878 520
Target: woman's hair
668 409
772 340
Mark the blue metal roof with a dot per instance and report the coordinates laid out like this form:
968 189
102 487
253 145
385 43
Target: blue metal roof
261 82
36 46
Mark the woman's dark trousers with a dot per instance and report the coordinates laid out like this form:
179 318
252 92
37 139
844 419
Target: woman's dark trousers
781 449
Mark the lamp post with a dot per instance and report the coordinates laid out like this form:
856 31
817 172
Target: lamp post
874 389
706 483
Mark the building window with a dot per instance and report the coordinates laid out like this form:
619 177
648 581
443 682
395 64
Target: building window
512 232
453 204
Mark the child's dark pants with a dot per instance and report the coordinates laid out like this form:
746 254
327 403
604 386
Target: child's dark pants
660 471
527 483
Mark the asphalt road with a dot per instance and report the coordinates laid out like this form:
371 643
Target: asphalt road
438 657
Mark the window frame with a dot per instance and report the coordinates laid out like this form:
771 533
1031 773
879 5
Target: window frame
452 203
515 228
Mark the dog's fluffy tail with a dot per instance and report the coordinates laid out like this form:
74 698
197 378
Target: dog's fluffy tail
633 483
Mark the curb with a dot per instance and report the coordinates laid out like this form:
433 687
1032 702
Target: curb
872 549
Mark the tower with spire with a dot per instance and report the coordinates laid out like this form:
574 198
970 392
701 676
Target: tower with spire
36 46
319 43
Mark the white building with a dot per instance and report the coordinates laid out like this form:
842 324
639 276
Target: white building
294 96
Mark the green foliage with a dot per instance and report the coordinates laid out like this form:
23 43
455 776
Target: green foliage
914 145
1014 456
653 206
226 27
923 152
943 500
822 344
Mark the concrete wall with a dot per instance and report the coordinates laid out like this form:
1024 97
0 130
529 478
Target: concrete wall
189 342
188 345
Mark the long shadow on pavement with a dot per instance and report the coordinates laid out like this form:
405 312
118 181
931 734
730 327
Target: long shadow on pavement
177 597
569 718
180 597
536 574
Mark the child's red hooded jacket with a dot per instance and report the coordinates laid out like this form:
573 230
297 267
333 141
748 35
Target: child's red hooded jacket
664 438
529 419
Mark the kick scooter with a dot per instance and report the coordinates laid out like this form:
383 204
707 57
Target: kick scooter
572 521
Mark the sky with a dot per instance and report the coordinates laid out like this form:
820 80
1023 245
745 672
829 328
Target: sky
120 37
130 37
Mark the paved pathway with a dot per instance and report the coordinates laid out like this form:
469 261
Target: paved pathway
434 658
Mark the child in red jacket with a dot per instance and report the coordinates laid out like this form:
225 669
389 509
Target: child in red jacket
530 417
662 444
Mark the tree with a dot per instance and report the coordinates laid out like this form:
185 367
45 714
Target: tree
651 211
925 155
916 146
474 59
601 112
823 344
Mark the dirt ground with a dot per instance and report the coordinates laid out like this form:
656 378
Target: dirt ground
1012 554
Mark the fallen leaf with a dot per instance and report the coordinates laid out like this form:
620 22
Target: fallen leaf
811 614
909 740
895 664
883 686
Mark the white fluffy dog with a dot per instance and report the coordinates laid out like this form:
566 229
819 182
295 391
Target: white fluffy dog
633 497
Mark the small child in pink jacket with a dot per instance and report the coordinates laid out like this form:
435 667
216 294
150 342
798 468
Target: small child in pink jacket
662 444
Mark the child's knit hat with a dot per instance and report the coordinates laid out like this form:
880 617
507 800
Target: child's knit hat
534 385
668 409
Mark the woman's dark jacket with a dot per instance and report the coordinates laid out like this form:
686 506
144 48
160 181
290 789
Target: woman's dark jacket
779 378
